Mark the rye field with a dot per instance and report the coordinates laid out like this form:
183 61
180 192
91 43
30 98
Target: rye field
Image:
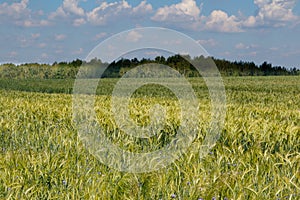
256 157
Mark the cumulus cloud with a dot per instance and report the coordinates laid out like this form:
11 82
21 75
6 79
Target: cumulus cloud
58 13
186 13
15 10
107 11
69 7
272 13
279 10
19 14
100 15
133 36
219 20
186 10
79 22
250 22
142 8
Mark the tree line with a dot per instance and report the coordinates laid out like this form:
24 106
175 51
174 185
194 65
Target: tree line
116 69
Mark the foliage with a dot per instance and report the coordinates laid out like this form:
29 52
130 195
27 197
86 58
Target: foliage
92 69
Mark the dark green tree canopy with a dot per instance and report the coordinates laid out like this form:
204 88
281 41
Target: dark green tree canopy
95 67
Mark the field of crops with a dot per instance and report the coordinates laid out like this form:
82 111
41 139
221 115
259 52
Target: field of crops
256 157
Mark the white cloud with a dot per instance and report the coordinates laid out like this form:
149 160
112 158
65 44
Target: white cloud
33 23
15 10
280 10
60 37
133 36
142 8
19 14
242 46
68 8
187 14
250 22
71 6
272 13
58 13
108 11
219 20
186 10
209 42
79 22
100 35
101 14
95 18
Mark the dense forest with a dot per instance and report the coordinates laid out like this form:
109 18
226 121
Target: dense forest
68 70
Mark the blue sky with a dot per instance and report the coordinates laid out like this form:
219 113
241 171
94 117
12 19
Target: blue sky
63 30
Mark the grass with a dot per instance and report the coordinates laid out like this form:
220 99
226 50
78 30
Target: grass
256 157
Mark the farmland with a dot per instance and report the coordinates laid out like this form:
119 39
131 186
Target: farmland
256 157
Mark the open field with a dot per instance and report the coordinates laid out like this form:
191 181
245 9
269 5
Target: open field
256 157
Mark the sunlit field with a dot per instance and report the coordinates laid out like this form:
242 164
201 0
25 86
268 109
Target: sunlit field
256 157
